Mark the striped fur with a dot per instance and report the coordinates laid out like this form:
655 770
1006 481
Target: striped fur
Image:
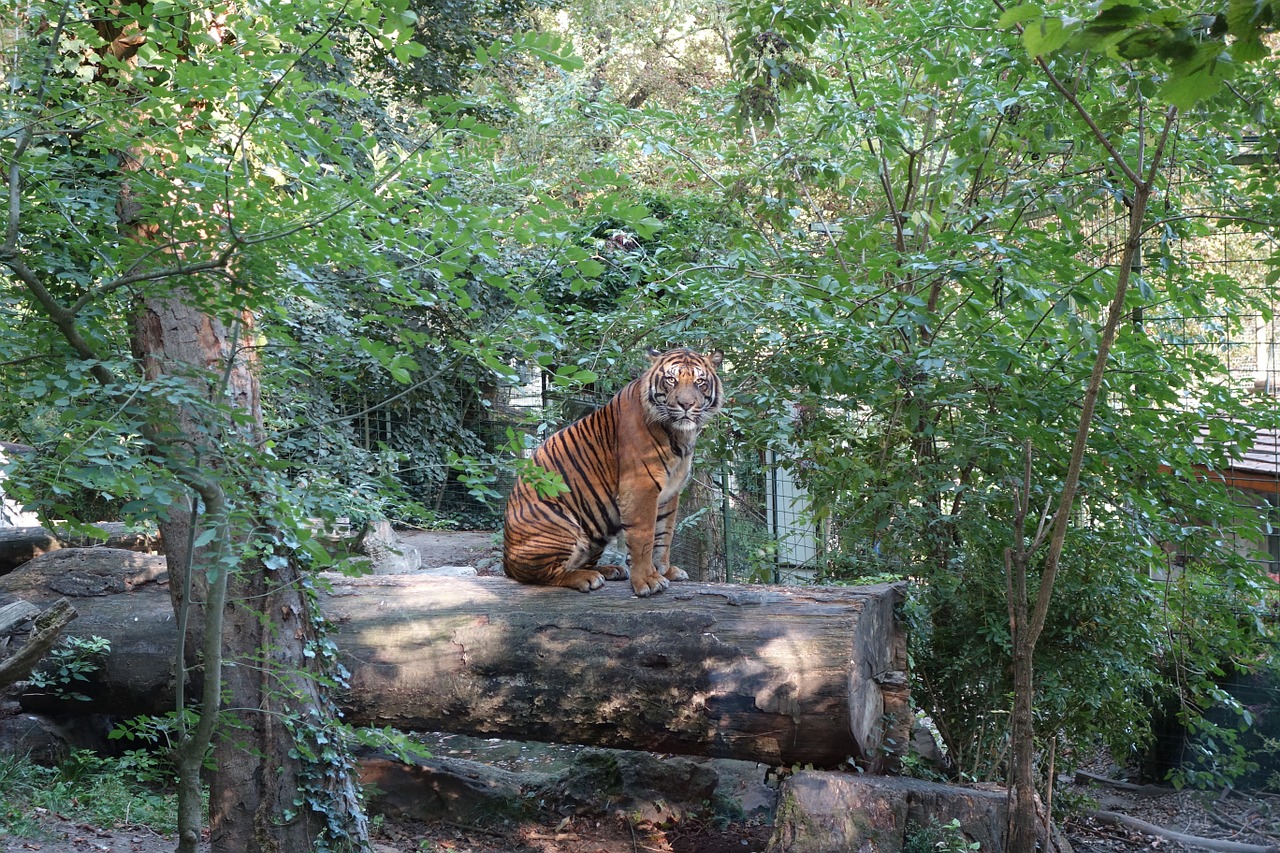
625 465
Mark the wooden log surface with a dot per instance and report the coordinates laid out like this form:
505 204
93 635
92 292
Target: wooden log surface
779 675
46 630
20 544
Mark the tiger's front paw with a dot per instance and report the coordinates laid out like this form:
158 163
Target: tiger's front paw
674 574
647 587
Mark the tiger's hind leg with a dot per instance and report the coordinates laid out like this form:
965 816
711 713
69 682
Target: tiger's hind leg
583 563
552 554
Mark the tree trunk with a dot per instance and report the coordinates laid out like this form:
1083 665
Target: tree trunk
782 676
265 654
1023 833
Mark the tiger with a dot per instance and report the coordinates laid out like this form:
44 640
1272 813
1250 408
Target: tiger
625 465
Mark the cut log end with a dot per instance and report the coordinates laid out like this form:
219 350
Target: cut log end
809 676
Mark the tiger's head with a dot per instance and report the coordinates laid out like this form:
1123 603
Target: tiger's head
681 389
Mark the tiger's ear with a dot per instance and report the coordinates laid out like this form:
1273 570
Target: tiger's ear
652 353
716 356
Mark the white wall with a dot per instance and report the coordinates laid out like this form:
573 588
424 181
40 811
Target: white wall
11 514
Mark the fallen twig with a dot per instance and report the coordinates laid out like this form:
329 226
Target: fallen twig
1182 838
1084 777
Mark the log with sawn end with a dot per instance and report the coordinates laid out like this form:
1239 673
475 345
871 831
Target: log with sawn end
811 675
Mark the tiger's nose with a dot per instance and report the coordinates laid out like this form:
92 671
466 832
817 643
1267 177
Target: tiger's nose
687 401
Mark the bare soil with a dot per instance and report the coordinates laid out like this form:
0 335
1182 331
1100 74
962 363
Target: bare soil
569 835
1237 817
1234 816
476 548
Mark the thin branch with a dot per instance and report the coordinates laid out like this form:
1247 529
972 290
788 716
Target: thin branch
826 228
1170 117
24 140
1084 114
62 319
1070 95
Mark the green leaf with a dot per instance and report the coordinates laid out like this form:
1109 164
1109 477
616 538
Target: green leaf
590 268
1019 14
1185 91
1048 35
1241 15
1249 49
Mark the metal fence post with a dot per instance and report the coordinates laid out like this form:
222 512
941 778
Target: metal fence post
724 521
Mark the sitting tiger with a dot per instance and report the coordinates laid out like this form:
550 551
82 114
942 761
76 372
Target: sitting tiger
625 465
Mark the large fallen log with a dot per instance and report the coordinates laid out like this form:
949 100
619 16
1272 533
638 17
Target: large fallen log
20 544
780 675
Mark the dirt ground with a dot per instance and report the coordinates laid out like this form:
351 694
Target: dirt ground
1229 816
563 836
476 548
1236 817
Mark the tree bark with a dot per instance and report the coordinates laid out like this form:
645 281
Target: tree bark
46 631
259 644
778 675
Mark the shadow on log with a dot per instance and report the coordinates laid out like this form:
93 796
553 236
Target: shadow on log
777 675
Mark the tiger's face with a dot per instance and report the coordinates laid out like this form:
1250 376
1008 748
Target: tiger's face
683 391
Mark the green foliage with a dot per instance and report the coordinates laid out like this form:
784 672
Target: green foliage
900 234
159 736
1192 53
85 788
452 42
73 660
937 837
908 263
771 49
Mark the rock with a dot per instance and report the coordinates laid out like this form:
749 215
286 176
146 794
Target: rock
35 737
926 748
743 790
388 555
47 740
643 786
449 572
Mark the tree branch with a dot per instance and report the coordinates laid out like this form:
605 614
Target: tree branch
1137 213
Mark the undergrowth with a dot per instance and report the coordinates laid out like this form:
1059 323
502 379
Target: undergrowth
85 788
